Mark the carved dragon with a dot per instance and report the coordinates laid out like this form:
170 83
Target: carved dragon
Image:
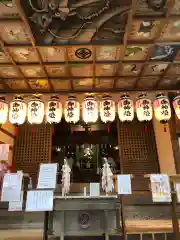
48 10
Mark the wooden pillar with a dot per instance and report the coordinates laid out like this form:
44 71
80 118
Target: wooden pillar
121 197
164 148
174 126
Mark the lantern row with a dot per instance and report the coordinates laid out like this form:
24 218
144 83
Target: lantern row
18 110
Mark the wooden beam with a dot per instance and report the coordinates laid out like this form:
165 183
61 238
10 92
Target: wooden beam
7 133
90 90
94 65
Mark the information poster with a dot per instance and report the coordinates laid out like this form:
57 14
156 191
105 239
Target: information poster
16 206
11 188
177 189
39 201
160 186
4 151
124 184
94 189
47 176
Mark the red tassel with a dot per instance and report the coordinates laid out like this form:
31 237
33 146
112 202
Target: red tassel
146 129
72 131
16 131
52 131
90 130
108 129
126 132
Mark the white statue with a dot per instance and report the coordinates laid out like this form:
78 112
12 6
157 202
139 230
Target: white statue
107 177
66 177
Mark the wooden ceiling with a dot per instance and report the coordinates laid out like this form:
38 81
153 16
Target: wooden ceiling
89 45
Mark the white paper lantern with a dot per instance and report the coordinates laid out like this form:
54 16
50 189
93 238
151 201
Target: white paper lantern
54 110
176 105
125 109
72 110
35 111
17 111
144 108
107 109
3 110
162 108
90 110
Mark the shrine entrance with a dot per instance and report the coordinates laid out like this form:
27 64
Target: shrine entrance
84 146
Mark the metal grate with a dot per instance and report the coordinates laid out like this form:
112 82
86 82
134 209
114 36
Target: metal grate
32 147
138 152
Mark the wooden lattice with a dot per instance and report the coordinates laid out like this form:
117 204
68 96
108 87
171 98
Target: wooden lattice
32 147
138 151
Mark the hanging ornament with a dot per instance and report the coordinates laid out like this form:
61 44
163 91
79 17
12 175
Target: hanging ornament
176 105
162 108
72 110
54 110
90 110
107 177
125 109
143 108
17 111
3 110
66 177
35 111
107 109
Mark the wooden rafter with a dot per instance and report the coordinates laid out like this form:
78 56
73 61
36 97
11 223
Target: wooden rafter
68 72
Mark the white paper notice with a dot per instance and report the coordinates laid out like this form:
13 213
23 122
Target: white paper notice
124 184
94 189
47 176
177 188
16 206
11 189
39 201
160 187
4 150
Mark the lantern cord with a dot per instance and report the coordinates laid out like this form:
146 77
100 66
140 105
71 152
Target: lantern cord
33 132
165 128
16 131
52 131
108 128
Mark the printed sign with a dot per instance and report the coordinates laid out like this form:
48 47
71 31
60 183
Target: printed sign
11 189
124 184
94 189
47 176
39 201
16 205
160 187
177 189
